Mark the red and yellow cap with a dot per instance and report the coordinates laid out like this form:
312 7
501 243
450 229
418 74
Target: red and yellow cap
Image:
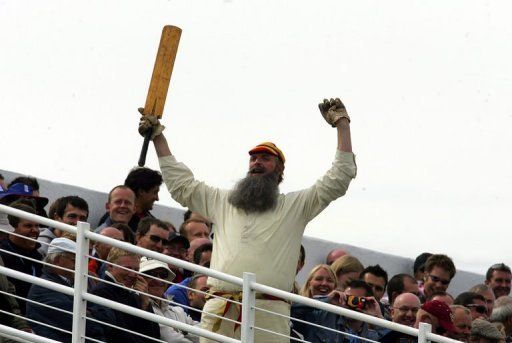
269 148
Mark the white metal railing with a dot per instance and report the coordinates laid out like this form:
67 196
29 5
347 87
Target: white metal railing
248 285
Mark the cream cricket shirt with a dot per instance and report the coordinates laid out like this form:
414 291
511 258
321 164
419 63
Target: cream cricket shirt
266 244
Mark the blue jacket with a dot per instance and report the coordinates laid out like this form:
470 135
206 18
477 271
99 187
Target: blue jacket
330 320
44 315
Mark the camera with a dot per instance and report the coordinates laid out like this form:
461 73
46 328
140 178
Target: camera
356 302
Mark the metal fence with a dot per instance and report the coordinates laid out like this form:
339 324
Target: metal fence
247 284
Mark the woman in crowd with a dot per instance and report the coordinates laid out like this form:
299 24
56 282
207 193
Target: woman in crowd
347 268
320 282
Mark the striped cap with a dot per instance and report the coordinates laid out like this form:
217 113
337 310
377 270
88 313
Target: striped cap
269 148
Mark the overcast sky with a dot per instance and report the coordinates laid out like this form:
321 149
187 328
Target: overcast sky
427 84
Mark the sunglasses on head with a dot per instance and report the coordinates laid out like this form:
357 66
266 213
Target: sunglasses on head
478 308
438 279
157 239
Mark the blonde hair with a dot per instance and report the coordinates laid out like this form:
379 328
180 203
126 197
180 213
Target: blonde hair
116 253
347 264
305 291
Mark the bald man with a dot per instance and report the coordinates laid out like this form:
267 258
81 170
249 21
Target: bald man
405 308
334 254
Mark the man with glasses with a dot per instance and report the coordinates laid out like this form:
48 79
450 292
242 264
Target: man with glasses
499 278
152 234
405 308
474 302
439 272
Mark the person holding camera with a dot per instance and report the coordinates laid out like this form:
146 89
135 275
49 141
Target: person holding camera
358 296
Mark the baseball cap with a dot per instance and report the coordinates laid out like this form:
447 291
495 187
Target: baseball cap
174 237
19 190
269 148
147 264
442 312
62 245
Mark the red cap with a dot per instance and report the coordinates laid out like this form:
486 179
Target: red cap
442 312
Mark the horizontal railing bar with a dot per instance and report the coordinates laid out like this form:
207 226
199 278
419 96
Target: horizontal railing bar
37 281
156 318
38 219
25 335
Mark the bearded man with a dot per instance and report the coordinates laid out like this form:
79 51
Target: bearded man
257 229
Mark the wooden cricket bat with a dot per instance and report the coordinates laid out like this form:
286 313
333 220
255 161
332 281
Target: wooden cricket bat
160 79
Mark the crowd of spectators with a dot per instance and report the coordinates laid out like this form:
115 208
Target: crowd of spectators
482 313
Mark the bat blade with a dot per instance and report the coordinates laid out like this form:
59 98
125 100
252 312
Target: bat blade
162 71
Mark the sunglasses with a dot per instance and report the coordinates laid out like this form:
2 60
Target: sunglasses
478 308
438 279
156 239
161 274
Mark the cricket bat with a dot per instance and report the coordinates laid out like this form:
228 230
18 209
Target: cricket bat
159 85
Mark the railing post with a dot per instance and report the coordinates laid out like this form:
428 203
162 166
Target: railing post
423 330
248 312
81 269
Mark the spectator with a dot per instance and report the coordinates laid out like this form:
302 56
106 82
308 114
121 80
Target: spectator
441 296
320 282
177 248
130 279
333 255
196 295
499 277
475 302
193 229
156 272
376 278
347 268
102 249
9 304
401 283
62 254
300 265
196 216
152 234
356 288
194 244
462 322
203 254
502 313
405 308
170 226
120 207
32 183
419 269
439 271
145 183
23 241
487 293
437 314
68 210
484 332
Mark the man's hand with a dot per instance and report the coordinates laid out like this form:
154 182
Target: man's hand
141 285
333 111
337 298
148 122
373 307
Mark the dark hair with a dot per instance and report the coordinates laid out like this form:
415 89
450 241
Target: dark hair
377 271
59 206
502 267
26 180
143 179
360 284
170 224
145 224
302 255
419 262
129 237
23 205
438 293
441 261
200 250
467 298
186 215
396 285
117 187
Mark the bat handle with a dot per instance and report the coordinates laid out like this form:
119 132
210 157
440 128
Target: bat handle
145 145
